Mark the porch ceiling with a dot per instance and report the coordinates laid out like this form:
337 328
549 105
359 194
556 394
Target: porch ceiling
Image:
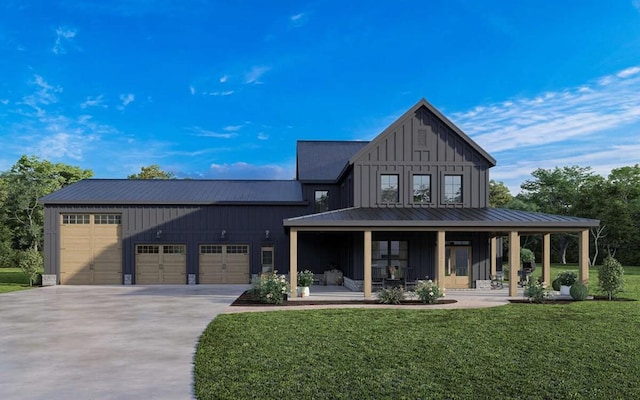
469 218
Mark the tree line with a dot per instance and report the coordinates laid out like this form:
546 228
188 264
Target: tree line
572 191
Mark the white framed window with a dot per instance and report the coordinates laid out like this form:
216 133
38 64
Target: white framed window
211 249
148 249
76 219
107 219
452 189
421 188
389 188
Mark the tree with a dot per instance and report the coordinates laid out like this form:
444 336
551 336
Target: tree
499 195
611 277
152 172
27 181
558 191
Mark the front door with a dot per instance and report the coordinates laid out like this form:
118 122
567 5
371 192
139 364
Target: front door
458 267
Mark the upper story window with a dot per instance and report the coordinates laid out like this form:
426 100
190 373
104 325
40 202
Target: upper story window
452 189
422 188
321 200
389 189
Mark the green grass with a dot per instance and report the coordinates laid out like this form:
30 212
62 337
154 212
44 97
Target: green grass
583 350
12 279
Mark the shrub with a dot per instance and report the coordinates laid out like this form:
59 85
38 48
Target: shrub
270 288
428 292
305 278
567 278
556 284
527 255
392 295
579 291
536 291
611 277
30 261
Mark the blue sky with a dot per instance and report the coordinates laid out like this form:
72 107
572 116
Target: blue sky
212 89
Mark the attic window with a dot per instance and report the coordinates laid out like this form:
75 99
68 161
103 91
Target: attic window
452 189
389 188
421 188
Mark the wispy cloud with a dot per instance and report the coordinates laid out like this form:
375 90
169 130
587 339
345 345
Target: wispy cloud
254 75
4 101
636 4
198 131
192 89
64 35
224 78
233 128
222 93
44 94
299 19
573 125
93 102
125 100
244 170
262 136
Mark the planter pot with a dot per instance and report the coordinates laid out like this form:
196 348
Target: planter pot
303 291
565 290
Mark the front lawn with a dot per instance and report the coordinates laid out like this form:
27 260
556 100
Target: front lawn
12 279
583 350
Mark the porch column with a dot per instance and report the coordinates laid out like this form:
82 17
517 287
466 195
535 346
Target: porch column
441 259
367 263
583 258
494 269
293 261
514 262
546 258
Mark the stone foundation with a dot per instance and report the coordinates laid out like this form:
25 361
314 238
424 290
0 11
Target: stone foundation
49 280
483 284
191 279
127 279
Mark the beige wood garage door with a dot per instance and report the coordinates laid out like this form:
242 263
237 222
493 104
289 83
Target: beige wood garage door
90 249
224 263
161 264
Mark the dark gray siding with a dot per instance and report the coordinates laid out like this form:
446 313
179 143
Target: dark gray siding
421 143
188 225
308 193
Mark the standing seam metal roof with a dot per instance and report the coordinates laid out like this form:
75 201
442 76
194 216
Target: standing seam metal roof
438 217
324 160
176 191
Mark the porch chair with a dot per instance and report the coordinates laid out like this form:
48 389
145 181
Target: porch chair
377 277
410 278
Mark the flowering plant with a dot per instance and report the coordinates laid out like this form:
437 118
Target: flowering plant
428 291
536 291
270 288
305 278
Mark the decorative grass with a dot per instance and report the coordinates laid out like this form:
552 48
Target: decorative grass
584 350
12 279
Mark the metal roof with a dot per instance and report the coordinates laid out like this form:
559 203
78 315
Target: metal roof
324 161
438 217
176 191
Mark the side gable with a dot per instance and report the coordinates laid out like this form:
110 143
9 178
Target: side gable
324 161
422 142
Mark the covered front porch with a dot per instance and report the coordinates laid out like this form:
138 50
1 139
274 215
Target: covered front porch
446 227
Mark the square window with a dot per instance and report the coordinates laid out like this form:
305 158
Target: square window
389 189
421 188
452 189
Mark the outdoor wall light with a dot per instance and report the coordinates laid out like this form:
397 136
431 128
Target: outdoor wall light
266 234
223 234
159 233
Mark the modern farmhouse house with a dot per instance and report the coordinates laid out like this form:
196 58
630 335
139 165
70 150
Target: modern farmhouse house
413 201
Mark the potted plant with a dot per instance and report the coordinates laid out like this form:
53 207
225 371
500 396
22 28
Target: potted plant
566 279
305 279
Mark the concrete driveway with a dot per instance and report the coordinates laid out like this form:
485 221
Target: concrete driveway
105 342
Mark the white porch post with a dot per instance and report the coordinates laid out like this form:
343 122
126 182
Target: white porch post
546 258
440 259
583 258
293 261
367 263
514 262
494 246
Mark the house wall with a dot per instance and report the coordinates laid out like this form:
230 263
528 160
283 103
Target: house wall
421 143
189 225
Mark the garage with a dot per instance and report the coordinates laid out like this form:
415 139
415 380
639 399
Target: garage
161 264
220 263
90 249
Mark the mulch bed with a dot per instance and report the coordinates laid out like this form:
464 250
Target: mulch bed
245 300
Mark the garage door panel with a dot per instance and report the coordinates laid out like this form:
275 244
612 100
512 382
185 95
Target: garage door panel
167 266
224 264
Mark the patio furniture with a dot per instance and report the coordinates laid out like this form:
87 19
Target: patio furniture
410 278
378 274
497 280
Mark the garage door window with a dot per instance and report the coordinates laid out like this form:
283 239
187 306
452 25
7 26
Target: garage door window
210 249
174 249
107 219
237 249
75 219
148 249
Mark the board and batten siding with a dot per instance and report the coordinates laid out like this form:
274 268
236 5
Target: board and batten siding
187 225
421 143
